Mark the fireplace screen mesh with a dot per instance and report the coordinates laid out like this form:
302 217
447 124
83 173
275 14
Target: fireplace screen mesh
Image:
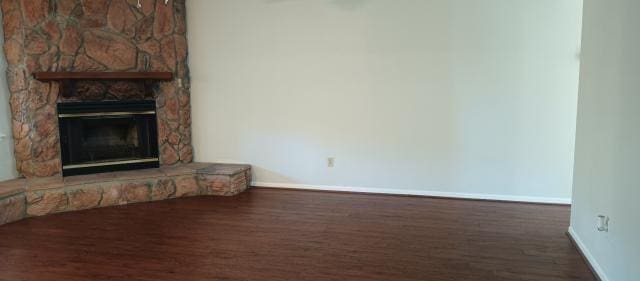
114 138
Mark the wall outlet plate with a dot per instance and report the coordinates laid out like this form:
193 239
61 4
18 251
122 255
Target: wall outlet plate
603 223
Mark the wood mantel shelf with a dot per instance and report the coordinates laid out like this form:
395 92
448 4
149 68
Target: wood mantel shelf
56 76
68 79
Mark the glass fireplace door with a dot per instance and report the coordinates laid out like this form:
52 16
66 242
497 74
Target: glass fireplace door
101 141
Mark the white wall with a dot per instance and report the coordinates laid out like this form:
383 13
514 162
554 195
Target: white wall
7 162
423 96
608 139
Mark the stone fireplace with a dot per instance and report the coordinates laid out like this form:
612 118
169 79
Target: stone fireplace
110 112
99 36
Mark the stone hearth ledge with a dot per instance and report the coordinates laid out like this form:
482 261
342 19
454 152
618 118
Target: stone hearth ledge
23 198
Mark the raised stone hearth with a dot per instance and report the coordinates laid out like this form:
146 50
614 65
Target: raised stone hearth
24 198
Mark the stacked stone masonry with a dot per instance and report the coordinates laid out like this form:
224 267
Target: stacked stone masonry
92 35
24 198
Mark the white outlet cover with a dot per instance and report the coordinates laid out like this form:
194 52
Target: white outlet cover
603 223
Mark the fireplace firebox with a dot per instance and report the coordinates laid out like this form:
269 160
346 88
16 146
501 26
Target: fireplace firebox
108 136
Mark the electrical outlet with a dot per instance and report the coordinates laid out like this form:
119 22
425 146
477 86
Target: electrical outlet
331 162
603 223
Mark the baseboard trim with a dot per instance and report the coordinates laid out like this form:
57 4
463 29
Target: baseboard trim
586 254
426 193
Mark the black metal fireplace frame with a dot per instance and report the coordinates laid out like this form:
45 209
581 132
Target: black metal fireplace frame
144 110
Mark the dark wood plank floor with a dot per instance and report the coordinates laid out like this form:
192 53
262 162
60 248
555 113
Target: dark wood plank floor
268 234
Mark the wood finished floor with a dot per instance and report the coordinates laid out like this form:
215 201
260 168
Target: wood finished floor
269 234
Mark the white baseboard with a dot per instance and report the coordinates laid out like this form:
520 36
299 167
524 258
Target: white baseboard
545 200
588 256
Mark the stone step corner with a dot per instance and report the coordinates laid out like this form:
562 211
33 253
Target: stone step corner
12 187
12 200
224 179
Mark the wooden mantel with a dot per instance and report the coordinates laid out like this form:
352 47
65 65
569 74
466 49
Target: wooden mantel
53 76
68 79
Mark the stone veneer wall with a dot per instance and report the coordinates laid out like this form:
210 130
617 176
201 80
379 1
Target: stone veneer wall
93 35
